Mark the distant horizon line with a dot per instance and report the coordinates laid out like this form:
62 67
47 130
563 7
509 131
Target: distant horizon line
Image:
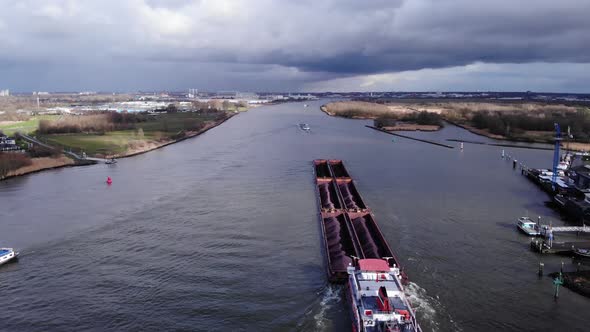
98 92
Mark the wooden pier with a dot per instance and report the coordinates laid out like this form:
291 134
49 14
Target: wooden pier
565 229
542 246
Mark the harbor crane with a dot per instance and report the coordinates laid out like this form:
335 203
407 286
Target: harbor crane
558 139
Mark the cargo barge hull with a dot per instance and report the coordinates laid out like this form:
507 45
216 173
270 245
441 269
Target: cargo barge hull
349 230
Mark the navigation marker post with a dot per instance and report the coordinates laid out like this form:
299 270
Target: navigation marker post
558 281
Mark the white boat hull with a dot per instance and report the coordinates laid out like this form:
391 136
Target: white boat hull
8 257
529 232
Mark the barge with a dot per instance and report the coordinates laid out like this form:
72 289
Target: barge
349 230
358 254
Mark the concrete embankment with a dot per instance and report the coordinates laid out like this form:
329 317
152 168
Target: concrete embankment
412 138
503 145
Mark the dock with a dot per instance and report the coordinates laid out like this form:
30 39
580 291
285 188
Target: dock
565 229
543 246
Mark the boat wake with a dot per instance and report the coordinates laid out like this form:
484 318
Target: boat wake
319 315
428 309
330 296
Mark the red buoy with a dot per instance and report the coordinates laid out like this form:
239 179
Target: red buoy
109 180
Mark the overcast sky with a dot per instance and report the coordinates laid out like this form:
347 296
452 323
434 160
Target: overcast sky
302 45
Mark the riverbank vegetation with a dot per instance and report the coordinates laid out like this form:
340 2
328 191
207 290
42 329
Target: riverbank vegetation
102 134
424 121
10 161
35 158
386 117
517 121
356 109
118 134
531 126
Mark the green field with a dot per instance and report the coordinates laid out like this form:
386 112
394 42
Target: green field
160 127
115 142
25 127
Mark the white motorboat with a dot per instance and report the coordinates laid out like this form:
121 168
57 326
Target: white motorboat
527 226
7 255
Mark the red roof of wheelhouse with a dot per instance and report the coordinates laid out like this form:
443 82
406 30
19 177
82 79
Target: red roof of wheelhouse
373 264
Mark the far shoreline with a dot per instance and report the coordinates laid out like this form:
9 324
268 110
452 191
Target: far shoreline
400 126
573 146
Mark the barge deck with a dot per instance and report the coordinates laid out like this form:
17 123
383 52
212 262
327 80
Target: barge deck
348 227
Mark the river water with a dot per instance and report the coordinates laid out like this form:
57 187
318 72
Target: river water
221 232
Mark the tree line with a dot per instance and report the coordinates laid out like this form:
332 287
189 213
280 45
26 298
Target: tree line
511 124
421 118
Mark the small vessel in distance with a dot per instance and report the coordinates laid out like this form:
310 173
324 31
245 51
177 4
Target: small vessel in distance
304 126
527 226
377 298
109 180
111 161
7 255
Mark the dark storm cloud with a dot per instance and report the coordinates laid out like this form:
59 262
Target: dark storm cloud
298 41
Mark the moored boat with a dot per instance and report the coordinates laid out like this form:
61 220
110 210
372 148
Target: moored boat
582 252
377 298
527 226
7 255
561 200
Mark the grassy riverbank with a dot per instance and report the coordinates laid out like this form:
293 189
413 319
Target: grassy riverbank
26 127
149 133
135 135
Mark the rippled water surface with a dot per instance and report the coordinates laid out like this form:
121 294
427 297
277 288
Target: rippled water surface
221 232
